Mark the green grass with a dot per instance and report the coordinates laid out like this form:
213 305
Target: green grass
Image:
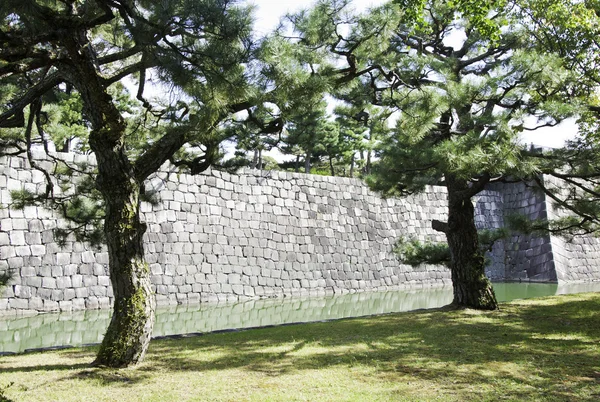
531 350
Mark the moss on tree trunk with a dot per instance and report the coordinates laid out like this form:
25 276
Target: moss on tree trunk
130 329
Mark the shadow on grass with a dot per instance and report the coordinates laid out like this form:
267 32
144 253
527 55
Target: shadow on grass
106 377
83 371
525 351
46 367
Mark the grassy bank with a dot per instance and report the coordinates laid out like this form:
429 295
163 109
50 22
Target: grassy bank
539 349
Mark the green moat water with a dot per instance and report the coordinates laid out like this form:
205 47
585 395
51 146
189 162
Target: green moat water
18 334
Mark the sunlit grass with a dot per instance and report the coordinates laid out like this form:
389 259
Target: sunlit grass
531 350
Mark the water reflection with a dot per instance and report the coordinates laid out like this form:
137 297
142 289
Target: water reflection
18 334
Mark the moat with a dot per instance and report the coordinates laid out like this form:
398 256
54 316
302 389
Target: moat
22 333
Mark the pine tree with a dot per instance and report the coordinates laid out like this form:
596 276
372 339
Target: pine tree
310 134
199 52
464 88
570 29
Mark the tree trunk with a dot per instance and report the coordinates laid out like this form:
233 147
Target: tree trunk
472 289
130 329
331 168
307 162
254 162
128 334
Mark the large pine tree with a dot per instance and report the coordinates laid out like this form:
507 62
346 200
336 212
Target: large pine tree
464 79
200 55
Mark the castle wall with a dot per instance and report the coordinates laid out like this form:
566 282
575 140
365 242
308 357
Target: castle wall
220 236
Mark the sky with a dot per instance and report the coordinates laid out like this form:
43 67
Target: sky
269 12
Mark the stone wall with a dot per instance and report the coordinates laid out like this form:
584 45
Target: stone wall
220 237
526 257
489 214
575 259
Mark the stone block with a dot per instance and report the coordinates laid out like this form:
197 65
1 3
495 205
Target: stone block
28 271
238 289
92 303
234 279
102 258
51 305
69 270
88 257
19 224
17 238
33 281
77 281
19 304
63 258
36 303
23 292
65 305
99 269
98 291
44 293
63 282
54 271
69 294
90 280
249 291
78 304
57 295
48 282
38 250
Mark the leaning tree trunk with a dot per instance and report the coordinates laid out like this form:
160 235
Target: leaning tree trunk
130 329
471 287
128 334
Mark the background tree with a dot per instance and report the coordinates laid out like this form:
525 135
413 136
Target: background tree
361 128
257 132
571 29
309 134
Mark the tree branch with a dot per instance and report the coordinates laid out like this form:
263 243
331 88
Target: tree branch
439 226
14 117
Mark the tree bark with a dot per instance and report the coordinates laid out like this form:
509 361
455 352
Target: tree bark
307 162
130 329
472 289
331 168
254 162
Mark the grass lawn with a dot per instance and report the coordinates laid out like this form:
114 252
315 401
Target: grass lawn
544 349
